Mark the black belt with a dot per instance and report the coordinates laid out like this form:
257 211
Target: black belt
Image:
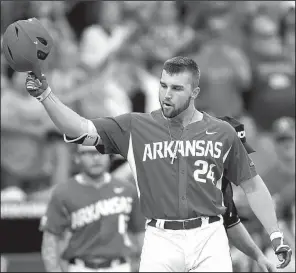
186 224
97 265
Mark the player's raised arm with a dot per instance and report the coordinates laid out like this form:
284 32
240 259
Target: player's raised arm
67 121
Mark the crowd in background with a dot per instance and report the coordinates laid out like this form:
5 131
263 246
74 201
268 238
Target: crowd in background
107 59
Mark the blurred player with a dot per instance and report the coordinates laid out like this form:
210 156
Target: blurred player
88 219
178 156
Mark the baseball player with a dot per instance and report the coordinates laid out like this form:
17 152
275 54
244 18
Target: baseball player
88 218
236 231
178 156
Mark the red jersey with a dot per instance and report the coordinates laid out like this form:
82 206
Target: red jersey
98 218
191 186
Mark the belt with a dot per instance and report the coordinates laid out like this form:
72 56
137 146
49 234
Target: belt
96 265
186 224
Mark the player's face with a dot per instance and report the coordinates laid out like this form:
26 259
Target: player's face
175 93
92 162
286 149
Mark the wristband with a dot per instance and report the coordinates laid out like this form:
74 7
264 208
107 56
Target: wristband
276 234
44 95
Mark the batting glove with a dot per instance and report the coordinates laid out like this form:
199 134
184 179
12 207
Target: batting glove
283 251
37 88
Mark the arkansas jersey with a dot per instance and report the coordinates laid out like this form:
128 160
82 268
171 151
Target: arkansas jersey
98 218
178 176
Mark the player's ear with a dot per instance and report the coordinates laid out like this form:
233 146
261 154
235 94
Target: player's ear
195 93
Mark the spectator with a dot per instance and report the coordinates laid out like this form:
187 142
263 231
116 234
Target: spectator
67 75
281 182
22 133
210 19
226 75
12 11
166 35
283 171
101 41
287 28
108 92
273 84
24 149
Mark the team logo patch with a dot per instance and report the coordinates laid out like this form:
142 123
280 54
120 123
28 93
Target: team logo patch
241 134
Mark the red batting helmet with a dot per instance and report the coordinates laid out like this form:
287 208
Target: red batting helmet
26 43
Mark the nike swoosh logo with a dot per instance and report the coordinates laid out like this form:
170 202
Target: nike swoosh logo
210 133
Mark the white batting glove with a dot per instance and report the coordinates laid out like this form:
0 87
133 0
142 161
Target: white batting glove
37 88
283 251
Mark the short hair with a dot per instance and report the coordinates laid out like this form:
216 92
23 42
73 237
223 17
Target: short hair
180 64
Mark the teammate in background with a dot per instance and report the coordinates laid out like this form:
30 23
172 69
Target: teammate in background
178 156
88 219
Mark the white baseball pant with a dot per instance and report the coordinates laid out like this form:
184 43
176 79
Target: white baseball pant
202 249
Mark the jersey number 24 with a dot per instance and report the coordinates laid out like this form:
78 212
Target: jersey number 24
204 171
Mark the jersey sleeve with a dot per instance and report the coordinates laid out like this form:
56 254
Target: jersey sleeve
230 217
238 164
137 219
115 134
56 219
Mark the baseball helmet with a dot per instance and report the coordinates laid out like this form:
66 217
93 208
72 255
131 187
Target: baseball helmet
240 130
26 44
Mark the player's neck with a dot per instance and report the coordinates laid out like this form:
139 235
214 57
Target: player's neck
94 181
190 115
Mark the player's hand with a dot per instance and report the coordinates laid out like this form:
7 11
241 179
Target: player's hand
36 86
283 252
265 265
